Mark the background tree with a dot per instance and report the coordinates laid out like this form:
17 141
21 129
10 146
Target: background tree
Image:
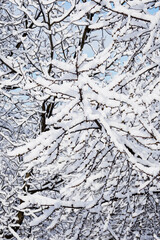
85 75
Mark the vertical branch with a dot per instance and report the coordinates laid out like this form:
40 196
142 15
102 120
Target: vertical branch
86 31
43 117
47 111
51 45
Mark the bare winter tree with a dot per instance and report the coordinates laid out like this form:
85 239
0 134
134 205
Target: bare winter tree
80 101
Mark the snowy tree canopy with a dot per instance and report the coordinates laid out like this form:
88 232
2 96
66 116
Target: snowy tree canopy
80 122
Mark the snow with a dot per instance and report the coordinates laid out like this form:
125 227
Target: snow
14 233
96 167
46 213
36 22
82 9
66 67
130 12
47 201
